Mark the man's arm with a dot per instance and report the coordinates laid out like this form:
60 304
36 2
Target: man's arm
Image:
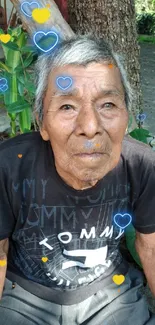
145 247
4 246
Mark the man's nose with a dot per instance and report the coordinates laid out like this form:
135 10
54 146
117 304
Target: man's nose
88 121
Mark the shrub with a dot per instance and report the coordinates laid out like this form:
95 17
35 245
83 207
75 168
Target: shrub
17 72
146 23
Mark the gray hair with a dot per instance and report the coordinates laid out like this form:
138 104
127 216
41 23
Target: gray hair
78 50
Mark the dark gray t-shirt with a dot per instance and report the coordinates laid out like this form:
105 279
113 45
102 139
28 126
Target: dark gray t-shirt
65 238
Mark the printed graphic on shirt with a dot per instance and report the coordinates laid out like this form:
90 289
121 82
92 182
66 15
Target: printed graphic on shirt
67 245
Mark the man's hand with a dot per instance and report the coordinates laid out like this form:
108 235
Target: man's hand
145 247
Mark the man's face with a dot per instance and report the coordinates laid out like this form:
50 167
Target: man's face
87 126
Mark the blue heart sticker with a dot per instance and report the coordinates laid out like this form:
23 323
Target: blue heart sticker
141 117
122 220
28 7
3 85
37 36
3 82
4 88
64 82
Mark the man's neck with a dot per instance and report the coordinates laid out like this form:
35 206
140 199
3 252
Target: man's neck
75 183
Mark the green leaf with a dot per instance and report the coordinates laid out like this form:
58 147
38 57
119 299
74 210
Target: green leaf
21 77
21 88
5 51
25 119
5 67
18 106
30 87
10 45
18 69
1 31
12 116
11 95
21 40
16 31
140 135
9 31
28 48
12 57
28 60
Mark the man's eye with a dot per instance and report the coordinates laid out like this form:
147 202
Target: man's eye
66 107
108 105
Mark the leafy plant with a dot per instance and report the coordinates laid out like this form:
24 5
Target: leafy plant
146 23
140 134
19 97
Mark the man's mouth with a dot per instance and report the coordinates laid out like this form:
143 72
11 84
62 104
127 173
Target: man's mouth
90 155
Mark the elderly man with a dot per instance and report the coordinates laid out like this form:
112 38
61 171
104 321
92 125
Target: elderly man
69 192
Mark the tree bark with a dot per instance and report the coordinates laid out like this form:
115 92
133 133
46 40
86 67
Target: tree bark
56 20
114 20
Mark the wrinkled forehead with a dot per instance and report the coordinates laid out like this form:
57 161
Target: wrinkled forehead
92 79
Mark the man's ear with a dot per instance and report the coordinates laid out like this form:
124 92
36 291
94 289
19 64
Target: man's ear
42 130
44 134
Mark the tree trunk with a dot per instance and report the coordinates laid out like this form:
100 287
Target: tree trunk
115 20
56 20
62 5
111 19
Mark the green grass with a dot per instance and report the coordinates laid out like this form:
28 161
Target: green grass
146 39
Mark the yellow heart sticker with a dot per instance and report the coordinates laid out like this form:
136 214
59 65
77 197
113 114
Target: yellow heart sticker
41 15
20 155
44 259
5 38
2 262
118 279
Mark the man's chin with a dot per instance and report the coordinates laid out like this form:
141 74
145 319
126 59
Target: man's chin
92 173
89 176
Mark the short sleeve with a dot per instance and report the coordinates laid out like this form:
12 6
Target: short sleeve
144 207
7 219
